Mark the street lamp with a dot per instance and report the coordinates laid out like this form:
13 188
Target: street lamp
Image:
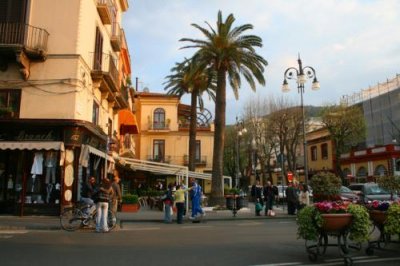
240 130
301 75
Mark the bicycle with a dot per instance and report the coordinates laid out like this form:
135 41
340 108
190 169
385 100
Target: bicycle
74 218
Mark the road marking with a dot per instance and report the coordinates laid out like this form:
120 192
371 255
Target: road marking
338 261
10 232
249 224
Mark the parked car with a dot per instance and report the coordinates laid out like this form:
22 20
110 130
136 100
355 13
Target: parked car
348 195
371 191
356 187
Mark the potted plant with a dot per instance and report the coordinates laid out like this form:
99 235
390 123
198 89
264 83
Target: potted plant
325 186
333 217
231 195
130 203
329 214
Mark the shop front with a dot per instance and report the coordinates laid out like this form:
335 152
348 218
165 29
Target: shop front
43 164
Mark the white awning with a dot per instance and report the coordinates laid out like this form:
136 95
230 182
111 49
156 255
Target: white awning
32 145
99 153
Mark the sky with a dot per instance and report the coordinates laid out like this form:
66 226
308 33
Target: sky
352 44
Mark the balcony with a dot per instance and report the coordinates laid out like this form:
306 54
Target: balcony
104 70
116 37
202 161
124 5
159 126
104 10
23 43
159 159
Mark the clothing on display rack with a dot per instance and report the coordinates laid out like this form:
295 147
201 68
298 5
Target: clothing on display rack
50 164
37 166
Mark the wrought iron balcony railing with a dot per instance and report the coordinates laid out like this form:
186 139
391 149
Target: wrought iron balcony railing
202 160
23 36
105 64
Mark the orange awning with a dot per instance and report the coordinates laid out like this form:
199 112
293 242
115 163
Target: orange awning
127 122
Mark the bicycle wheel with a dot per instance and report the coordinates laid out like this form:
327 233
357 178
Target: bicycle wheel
71 219
111 220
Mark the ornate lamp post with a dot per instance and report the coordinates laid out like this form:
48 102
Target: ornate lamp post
301 75
240 130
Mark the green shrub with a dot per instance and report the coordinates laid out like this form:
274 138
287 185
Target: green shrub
130 198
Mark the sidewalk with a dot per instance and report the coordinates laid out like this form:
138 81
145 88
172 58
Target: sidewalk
8 222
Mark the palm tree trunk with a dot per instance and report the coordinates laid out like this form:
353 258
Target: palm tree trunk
216 197
192 131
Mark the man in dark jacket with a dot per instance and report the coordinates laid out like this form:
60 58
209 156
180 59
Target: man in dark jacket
292 199
89 191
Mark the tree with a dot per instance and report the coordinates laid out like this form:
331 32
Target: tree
346 125
231 55
187 77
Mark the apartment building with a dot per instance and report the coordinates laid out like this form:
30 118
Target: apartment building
64 67
163 123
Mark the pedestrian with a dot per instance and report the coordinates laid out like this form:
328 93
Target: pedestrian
105 195
196 194
180 202
304 196
168 201
269 196
291 198
117 195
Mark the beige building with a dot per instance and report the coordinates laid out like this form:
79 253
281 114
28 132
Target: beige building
163 123
63 71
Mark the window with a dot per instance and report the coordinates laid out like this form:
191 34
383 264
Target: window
13 10
314 153
98 51
159 118
158 150
95 114
198 151
324 151
10 103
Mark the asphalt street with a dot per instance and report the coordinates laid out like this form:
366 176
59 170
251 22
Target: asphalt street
251 242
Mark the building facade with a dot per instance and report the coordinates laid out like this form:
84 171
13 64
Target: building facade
163 123
63 72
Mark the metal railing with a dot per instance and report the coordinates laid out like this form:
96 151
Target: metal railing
106 64
201 160
116 36
20 34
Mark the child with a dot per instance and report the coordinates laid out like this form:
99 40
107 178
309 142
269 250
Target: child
259 208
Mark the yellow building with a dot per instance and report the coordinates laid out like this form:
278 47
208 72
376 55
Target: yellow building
319 151
63 73
163 123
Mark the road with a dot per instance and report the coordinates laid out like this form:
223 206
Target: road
260 242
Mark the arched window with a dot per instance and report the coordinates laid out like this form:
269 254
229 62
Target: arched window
362 172
380 170
159 118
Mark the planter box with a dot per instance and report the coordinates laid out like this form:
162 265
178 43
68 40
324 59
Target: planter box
126 207
337 222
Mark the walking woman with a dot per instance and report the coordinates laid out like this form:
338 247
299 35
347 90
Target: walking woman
269 195
105 194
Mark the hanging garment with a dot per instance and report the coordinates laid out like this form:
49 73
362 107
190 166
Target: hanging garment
84 156
37 166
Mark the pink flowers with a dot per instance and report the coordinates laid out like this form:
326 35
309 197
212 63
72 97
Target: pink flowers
332 206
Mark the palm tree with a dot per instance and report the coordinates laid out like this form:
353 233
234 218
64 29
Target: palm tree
231 55
188 78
